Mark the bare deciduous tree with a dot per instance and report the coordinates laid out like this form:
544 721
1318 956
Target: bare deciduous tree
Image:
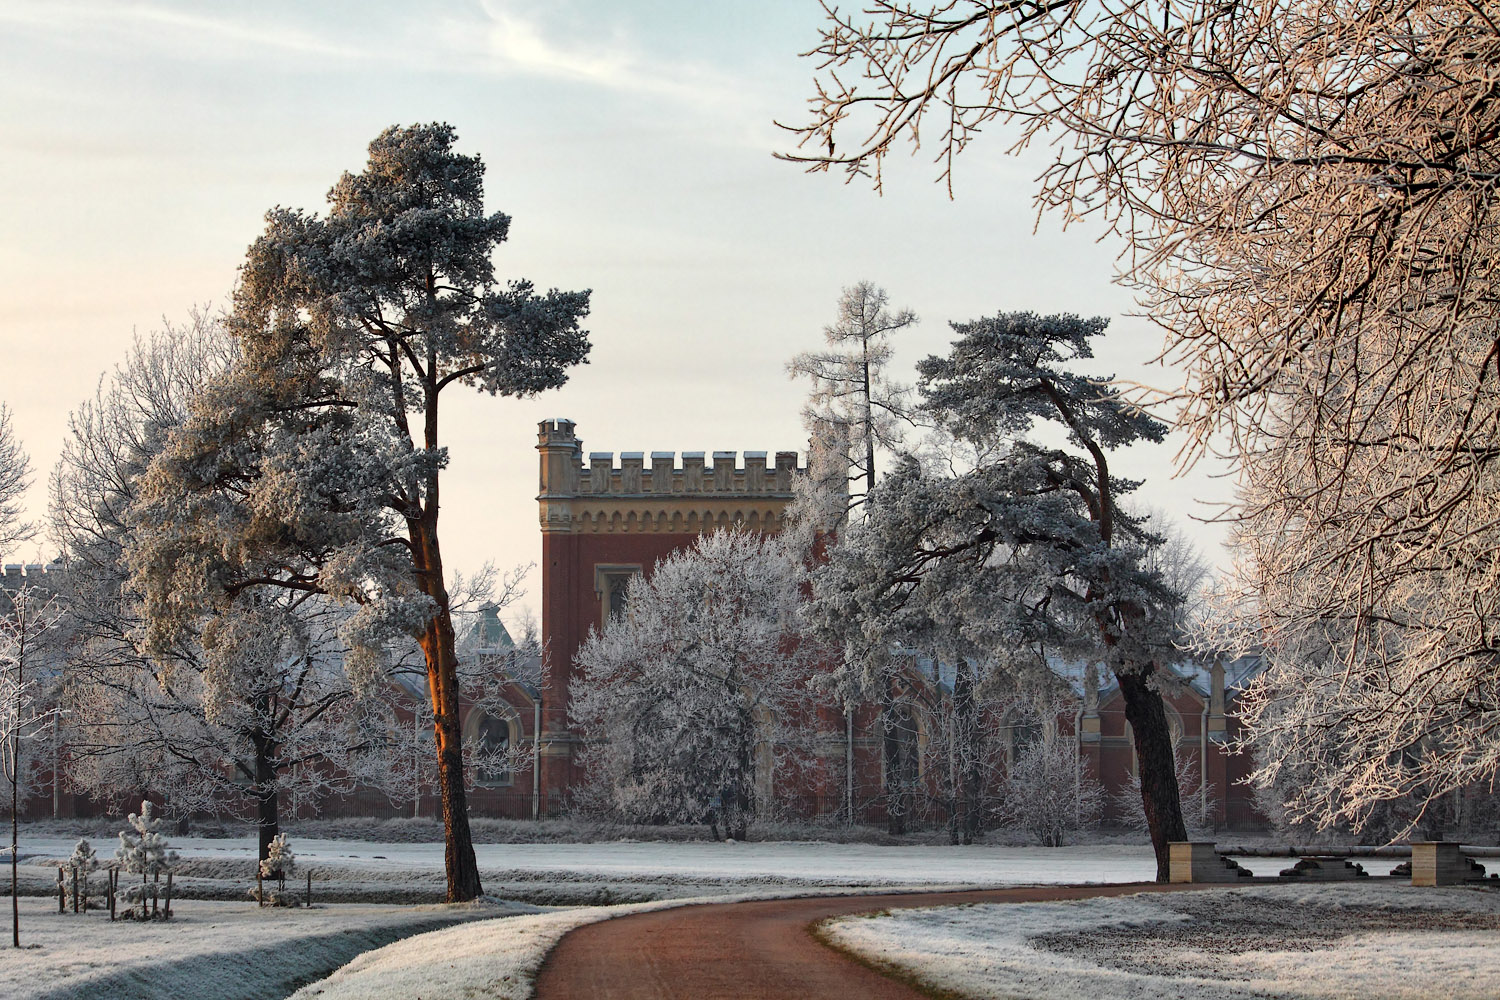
1309 194
853 402
15 476
29 619
697 693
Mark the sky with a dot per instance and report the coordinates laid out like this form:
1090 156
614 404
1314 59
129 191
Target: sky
630 142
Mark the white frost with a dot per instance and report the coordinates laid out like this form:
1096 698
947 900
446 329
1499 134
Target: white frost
1312 946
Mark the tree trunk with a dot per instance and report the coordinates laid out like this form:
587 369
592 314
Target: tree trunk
1153 747
15 817
890 746
267 813
971 791
438 647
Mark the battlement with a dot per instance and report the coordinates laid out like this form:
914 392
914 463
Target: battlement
564 474
17 574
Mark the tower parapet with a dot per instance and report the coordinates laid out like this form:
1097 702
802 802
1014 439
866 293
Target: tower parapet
692 496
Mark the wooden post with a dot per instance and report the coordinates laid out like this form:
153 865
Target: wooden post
166 910
110 890
75 888
155 889
260 887
309 887
62 905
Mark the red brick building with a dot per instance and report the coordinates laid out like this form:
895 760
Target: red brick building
602 523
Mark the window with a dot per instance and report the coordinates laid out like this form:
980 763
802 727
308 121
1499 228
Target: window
1023 736
493 738
619 595
612 585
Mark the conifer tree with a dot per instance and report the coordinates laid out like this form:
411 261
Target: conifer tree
1028 552
314 465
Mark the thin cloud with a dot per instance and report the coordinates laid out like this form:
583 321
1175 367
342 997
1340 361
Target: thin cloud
515 43
174 29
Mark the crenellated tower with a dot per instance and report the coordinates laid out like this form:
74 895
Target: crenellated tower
603 523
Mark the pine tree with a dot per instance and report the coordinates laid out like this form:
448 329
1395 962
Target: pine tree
144 849
314 464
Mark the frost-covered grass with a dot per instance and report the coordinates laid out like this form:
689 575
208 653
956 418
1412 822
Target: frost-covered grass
207 951
1360 941
488 830
498 962
619 872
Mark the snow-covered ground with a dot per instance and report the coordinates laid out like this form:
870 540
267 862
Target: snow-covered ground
207 951
498 962
1355 941
224 950
623 871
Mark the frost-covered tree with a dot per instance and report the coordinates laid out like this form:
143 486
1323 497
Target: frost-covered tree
1049 794
15 475
81 862
252 703
962 757
314 464
29 620
1028 553
853 412
1309 194
1180 563
1198 801
853 406
280 863
702 682
144 850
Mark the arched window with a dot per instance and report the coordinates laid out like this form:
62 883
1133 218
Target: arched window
493 738
902 757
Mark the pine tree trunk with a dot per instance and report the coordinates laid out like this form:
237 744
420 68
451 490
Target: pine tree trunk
438 647
890 745
1147 716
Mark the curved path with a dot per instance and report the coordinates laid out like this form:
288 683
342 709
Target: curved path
750 951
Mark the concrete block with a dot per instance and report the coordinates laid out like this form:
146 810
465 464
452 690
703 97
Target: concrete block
1196 861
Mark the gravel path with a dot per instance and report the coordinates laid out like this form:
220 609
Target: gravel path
750 951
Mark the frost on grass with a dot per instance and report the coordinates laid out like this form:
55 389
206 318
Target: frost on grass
208 951
494 961
1388 941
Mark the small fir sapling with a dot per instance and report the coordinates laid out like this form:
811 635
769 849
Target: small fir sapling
144 851
279 864
82 861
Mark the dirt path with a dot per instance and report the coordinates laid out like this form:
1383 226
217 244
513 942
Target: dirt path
748 951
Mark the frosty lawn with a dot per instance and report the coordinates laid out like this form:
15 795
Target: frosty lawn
1287 941
230 949
208 951
622 871
498 962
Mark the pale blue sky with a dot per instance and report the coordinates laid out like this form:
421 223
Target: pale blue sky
140 144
